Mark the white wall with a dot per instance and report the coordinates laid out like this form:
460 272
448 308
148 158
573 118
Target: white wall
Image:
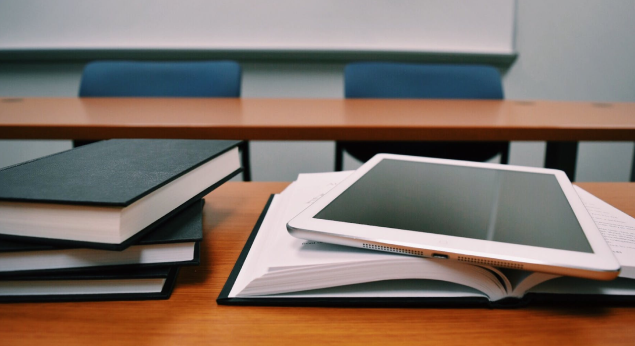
476 26
578 50
568 50
55 80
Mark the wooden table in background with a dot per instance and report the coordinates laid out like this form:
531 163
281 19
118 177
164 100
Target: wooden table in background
561 124
192 317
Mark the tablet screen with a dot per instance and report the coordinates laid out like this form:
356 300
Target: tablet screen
499 205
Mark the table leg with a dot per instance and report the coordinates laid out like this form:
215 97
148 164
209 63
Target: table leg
562 156
244 151
633 167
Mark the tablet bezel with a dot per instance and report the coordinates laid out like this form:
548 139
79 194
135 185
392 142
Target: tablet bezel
601 264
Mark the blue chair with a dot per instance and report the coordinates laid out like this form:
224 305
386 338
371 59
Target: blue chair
161 79
417 81
164 79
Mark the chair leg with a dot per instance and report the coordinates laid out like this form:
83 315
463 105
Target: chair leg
339 157
244 150
505 154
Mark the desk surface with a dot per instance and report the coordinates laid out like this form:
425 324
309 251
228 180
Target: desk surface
314 119
191 316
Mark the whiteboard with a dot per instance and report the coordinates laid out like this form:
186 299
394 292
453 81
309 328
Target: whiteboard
442 26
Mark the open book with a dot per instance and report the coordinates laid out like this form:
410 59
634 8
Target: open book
276 268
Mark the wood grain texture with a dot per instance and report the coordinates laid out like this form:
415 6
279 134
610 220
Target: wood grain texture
315 119
191 315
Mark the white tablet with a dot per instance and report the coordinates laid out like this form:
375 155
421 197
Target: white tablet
500 215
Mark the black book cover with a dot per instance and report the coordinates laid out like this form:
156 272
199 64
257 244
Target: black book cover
108 173
186 226
169 273
116 172
457 302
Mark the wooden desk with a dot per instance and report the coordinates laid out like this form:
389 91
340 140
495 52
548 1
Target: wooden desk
191 316
562 124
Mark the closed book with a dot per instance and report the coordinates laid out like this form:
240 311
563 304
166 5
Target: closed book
116 284
174 242
110 193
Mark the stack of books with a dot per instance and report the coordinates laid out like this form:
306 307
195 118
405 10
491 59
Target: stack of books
278 269
113 220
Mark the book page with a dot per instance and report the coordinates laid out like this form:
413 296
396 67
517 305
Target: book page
288 251
617 228
253 265
398 267
265 253
285 263
523 280
393 289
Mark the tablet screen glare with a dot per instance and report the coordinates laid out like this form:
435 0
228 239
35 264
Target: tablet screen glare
499 205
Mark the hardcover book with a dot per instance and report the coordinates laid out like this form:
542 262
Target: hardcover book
278 269
173 242
110 193
116 284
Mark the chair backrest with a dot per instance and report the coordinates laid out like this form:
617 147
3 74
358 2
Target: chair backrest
161 79
401 80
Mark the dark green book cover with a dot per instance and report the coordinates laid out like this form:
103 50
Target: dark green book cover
114 173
